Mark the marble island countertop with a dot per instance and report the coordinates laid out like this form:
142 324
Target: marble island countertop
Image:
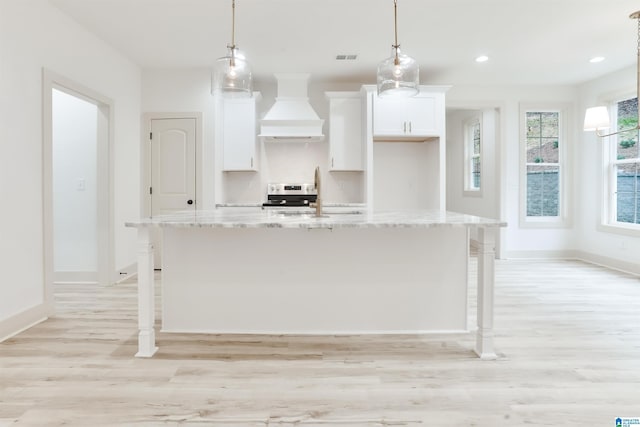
333 217
259 204
410 274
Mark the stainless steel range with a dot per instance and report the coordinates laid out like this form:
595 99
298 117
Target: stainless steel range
290 195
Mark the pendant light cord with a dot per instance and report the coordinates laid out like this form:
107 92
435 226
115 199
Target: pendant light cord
396 46
233 24
232 46
636 15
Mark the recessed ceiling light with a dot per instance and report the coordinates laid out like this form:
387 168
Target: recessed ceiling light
596 59
482 58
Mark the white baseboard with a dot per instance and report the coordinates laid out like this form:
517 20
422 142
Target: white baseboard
603 261
612 263
91 277
557 254
23 321
69 277
320 332
126 273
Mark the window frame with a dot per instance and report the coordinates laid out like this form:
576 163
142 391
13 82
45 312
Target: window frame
609 202
468 126
563 219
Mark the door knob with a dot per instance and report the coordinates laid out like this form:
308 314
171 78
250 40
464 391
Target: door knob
189 202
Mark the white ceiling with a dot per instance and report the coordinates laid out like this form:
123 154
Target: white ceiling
528 41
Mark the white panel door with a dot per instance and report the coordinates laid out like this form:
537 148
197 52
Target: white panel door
173 171
173 165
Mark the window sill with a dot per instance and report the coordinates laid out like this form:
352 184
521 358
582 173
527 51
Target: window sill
544 222
624 230
472 193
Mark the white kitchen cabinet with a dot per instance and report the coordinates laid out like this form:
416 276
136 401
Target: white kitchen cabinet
345 131
239 134
401 174
414 118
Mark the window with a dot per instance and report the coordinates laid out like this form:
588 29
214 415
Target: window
473 158
624 176
543 166
543 144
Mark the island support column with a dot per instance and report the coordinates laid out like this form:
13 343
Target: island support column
486 280
146 295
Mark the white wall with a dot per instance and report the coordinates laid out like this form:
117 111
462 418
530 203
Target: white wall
297 161
188 91
596 243
33 35
185 91
485 202
75 199
406 175
181 91
517 241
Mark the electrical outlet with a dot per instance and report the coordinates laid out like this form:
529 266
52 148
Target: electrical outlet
82 185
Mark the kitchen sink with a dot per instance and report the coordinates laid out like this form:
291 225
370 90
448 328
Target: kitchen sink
311 213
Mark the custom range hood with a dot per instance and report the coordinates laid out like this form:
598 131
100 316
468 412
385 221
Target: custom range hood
291 118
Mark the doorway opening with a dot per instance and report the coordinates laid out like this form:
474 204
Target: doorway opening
74 144
475 161
77 181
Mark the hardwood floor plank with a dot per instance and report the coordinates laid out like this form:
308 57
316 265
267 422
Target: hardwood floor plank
567 333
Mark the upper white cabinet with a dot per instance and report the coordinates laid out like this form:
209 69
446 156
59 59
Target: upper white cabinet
239 134
345 131
402 175
416 118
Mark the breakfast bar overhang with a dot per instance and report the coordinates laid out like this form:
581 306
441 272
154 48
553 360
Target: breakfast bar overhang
254 271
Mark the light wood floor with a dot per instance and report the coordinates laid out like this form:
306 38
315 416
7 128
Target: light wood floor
568 334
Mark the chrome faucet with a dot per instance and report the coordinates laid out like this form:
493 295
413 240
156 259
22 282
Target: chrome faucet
318 202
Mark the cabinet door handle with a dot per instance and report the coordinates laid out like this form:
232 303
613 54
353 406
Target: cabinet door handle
409 127
251 161
332 162
404 127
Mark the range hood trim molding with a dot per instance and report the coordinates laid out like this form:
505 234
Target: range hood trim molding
291 118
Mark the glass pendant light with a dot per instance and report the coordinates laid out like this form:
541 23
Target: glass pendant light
597 118
231 74
398 75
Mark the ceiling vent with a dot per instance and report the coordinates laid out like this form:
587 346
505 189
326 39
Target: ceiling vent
346 57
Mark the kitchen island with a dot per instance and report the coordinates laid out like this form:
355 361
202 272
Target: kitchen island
249 270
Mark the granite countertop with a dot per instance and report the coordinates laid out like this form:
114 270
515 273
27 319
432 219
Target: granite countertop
325 204
333 217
